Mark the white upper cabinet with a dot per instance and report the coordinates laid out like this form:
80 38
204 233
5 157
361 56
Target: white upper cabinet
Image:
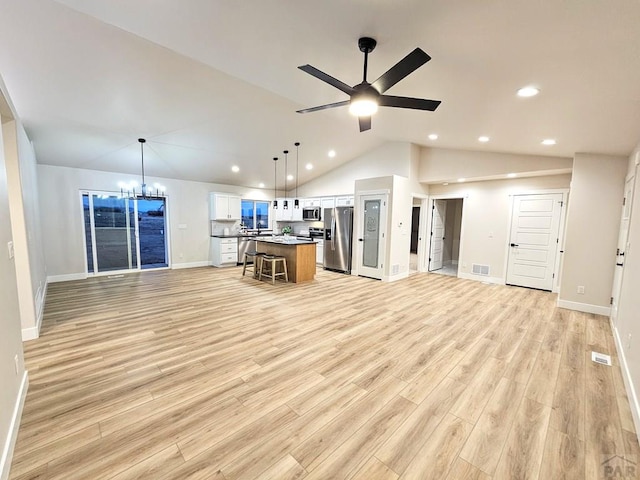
328 202
345 201
311 202
289 214
224 206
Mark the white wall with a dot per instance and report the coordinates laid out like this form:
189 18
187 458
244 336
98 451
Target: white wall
25 221
486 218
13 383
393 158
593 220
62 219
447 165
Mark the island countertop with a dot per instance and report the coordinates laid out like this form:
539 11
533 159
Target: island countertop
300 255
283 241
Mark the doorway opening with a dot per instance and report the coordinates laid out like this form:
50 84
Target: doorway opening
446 229
124 234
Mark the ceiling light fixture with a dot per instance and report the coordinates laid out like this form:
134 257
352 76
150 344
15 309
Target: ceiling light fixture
483 139
296 202
433 136
548 141
275 183
332 153
364 104
289 177
285 202
528 92
235 169
129 190
261 185
308 166
460 180
512 175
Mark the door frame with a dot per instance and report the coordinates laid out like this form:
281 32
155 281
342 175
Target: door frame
429 214
561 231
356 249
615 295
88 274
422 229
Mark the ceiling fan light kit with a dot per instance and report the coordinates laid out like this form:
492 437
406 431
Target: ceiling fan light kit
365 98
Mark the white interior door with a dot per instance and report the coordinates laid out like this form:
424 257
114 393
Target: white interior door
535 224
623 237
372 236
436 250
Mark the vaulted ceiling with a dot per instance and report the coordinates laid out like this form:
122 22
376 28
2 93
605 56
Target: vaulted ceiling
212 83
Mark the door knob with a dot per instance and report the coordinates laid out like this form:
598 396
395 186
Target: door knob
361 239
515 245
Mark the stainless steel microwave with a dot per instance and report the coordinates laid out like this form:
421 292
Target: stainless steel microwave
311 214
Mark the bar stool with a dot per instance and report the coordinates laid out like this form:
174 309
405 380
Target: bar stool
257 262
272 261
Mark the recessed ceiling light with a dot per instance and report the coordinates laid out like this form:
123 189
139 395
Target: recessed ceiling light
433 136
289 177
308 166
332 153
511 175
528 91
235 168
461 180
548 141
261 185
446 183
483 139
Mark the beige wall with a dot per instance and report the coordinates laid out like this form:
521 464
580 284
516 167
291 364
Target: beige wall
486 218
393 158
25 222
593 220
10 335
627 324
447 165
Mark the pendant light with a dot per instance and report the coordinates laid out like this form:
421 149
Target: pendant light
275 183
285 203
296 202
129 190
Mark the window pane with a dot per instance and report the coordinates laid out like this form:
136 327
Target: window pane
262 214
247 213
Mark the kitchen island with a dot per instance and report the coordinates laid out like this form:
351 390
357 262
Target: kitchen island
300 255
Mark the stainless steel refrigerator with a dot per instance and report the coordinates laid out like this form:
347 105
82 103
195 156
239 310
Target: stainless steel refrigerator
338 230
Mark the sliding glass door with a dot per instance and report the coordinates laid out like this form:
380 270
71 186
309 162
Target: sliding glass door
123 234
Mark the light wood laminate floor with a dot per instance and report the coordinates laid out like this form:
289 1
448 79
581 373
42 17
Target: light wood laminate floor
204 374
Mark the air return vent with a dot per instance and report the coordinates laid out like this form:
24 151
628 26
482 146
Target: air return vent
601 358
477 269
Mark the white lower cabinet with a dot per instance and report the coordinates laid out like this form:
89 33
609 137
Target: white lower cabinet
224 252
320 251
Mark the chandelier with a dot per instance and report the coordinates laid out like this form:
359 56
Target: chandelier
145 192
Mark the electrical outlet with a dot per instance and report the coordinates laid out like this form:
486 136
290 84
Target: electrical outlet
581 289
10 248
16 362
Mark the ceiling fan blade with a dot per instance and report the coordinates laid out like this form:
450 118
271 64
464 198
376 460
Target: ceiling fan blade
324 107
334 82
408 102
404 67
365 123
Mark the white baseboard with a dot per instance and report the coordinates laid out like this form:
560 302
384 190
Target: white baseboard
32 333
66 278
481 278
177 266
12 434
585 307
628 382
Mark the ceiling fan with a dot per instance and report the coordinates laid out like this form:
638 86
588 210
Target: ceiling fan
366 97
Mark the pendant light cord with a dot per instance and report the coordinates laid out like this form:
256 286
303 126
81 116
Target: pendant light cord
297 144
